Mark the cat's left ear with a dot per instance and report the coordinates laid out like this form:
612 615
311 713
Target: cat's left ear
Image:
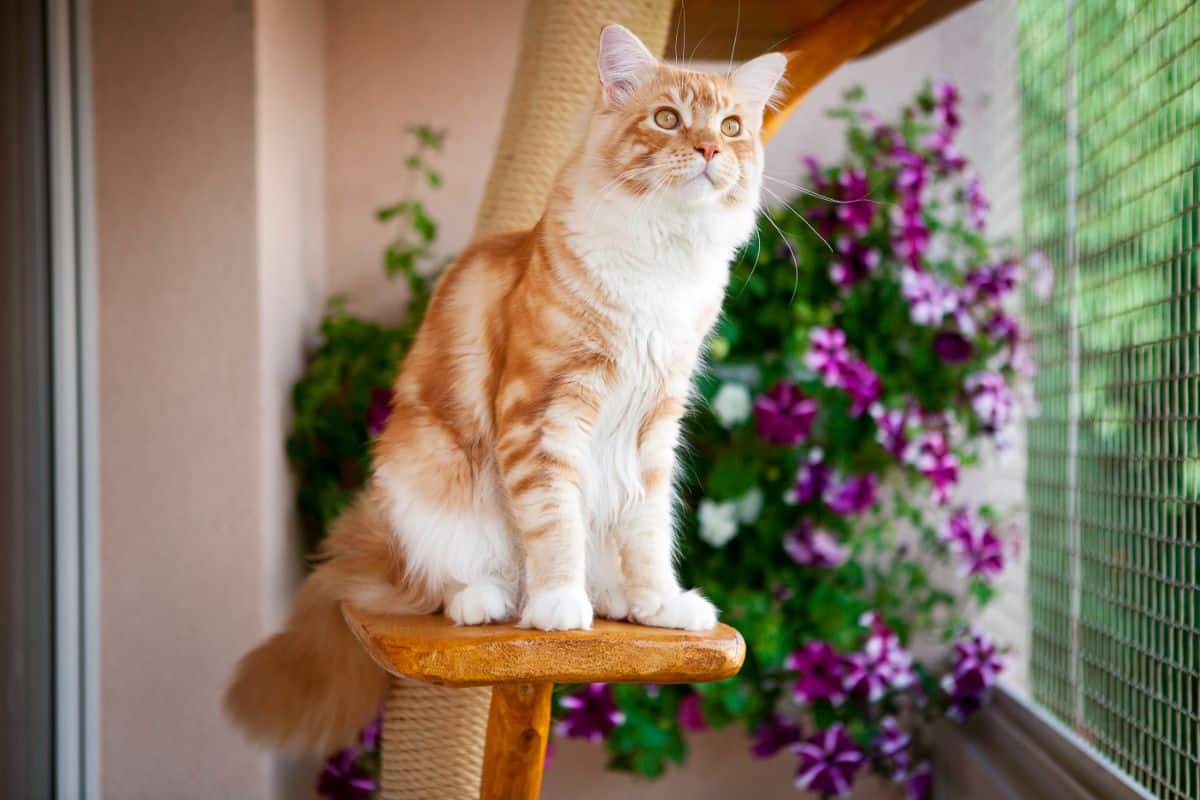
758 80
624 62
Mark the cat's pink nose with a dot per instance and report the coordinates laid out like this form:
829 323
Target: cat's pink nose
708 151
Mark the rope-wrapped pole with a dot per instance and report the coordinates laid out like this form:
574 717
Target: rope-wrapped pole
552 92
433 737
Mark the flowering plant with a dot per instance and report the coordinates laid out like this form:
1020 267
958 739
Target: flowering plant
868 353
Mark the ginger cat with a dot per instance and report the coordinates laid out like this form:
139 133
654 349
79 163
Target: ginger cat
526 469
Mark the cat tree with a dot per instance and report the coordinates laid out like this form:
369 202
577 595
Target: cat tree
469 709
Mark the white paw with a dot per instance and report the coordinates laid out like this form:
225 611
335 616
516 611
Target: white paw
563 609
610 603
688 611
479 604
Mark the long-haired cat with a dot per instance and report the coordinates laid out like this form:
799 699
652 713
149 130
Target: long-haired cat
526 469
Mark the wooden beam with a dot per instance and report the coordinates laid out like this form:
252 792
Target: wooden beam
845 32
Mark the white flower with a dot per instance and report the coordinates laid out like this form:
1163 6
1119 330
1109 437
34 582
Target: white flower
718 522
731 404
749 506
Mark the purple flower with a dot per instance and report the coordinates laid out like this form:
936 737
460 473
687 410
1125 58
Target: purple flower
819 673
813 547
1041 275
378 411
952 347
854 495
1003 328
592 713
343 779
926 297
829 760
913 240
691 714
891 746
858 211
977 204
932 457
911 177
784 415
977 665
991 399
854 261
991 283
862 384
827 354
946 154
945 103
919 783
773 735
976 544
882 665
891 428
811 480
370 734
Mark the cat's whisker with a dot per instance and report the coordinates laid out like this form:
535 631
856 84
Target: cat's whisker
802 218
766 214
805 190
737 27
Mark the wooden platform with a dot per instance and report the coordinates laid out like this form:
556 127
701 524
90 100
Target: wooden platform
435 650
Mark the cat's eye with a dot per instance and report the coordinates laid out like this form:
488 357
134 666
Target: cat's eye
731 126
666 119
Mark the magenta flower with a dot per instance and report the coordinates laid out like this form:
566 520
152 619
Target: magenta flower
819 673
890 745
913 240
991 399
1003 328
945 153
852 496
881 666
977 665
919 783
813 547
773 735
891 428
858 212
691 713
371 733
812 479
378 411
862 384
977 204
932 457
854 261
829 760
952 347
991 283
342 778
976 544
926 298
592 713
827 354
785 414
912 176
945 103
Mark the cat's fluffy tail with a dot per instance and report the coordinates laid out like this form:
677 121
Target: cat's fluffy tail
312 686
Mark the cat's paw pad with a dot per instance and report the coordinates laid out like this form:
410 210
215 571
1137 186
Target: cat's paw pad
565 608
688 611
479 604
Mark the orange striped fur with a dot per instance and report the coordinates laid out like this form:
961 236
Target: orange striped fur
526 469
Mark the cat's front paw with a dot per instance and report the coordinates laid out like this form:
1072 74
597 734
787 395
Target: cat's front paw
565 608
688 611
479 604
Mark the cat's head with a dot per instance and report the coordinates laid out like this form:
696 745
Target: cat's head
688 138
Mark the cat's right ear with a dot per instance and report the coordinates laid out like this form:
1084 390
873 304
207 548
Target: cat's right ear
623 63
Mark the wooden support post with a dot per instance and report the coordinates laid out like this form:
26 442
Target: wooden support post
515 752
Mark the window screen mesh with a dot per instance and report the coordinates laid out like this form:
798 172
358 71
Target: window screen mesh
1110 181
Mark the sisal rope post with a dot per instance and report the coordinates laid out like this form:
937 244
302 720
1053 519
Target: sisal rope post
554 88
433 741
433 737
